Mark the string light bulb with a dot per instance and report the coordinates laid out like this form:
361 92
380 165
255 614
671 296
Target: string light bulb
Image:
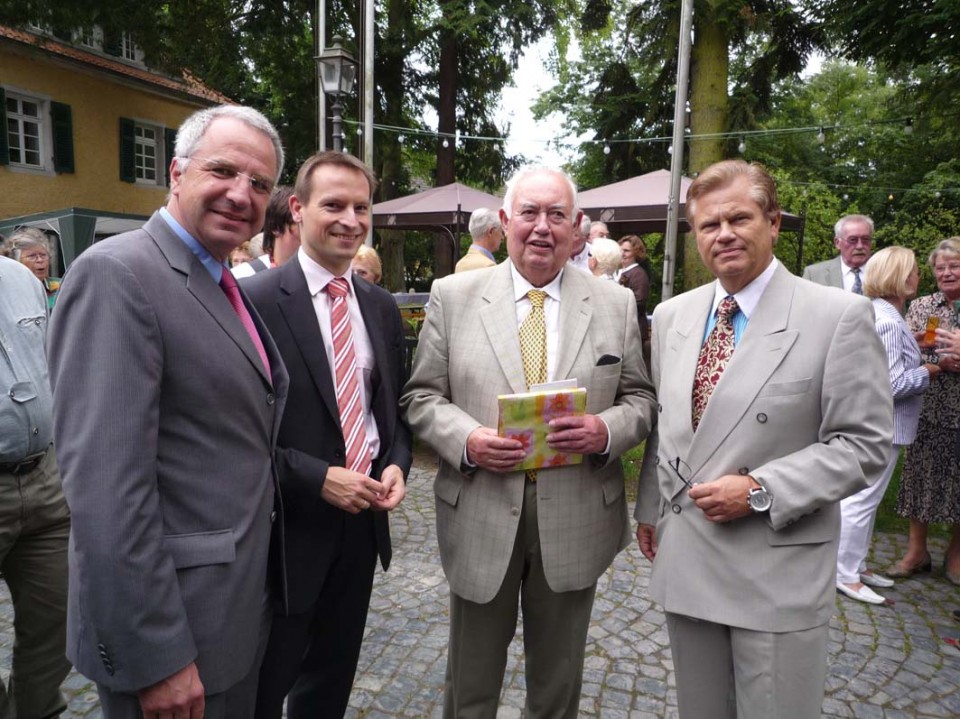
670 150
821 136
445 143
742 147
606 149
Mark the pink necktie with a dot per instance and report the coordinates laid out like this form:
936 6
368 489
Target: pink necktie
714 355
348 387
228 284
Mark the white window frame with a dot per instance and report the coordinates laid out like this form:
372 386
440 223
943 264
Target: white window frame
159 146
129 50
91 39
44 128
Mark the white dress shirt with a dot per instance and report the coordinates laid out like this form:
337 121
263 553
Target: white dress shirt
318 277
848 277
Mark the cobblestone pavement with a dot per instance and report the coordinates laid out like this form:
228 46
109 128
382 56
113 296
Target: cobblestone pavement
886 662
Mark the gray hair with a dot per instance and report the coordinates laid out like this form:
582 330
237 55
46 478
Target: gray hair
585 226
607 254
525 172
482 221
838 228
194 127
25 238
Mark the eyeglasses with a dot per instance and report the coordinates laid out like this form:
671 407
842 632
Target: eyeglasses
34 256
227 173
683 471
953 268
855 240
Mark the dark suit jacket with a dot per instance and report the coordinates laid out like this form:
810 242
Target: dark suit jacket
165 423
311 438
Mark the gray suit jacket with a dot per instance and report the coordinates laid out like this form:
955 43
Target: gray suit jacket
829 273
469 353
164 423
804 407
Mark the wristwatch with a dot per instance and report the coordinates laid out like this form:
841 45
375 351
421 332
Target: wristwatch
759 499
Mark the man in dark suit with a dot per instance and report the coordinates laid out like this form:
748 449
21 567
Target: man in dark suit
168 393
341 468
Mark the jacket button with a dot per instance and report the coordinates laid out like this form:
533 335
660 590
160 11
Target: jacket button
515 511
744 470
273 516
761 417
36 431
659 407
271 399
676 508
656 461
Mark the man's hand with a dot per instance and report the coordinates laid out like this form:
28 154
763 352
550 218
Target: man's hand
580 435
485 448
647 540
179 696
350 491
394 489
724 499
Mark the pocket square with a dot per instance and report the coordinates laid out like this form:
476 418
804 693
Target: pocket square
607 359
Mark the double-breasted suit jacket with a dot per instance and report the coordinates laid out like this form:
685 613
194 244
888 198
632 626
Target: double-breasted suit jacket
165 422
828 273
469 353
804 407
311 438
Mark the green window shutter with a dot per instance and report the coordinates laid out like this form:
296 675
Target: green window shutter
128 160
169 143
62 120
4 141
112 44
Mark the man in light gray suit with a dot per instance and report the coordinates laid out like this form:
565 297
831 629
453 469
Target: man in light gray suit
853 237
168 394
740 512
504 536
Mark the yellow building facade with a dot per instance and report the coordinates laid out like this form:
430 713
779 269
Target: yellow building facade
88 135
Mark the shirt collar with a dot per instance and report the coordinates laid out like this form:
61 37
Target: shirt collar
215 267
484 250
847 269
318 276
521 285
628 267
747 298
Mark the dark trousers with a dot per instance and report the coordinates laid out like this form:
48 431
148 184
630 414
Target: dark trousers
313 655
34 529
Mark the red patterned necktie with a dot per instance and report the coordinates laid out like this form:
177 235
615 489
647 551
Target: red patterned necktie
348 386
714 356
228 284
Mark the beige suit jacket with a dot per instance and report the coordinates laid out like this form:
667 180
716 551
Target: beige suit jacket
473 260
805 408
469 353
829 273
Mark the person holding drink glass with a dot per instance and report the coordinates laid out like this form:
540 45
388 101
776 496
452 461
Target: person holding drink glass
930 483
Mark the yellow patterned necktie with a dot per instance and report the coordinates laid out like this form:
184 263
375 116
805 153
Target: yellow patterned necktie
533 347
533 340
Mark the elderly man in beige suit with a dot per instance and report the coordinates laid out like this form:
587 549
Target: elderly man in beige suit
542 539
743 481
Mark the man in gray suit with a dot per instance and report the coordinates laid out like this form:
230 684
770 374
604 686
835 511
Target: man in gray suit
168 395
853 237
505 536
746 502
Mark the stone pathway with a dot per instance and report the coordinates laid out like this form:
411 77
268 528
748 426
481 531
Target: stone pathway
886 662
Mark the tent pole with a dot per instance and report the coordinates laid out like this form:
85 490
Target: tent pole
676 161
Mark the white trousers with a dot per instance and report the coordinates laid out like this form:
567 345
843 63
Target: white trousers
857 514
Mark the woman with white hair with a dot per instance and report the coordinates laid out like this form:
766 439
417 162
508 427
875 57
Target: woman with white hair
891 279
604 258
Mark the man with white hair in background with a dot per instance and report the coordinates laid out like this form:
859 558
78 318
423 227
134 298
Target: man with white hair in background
487 236
580 252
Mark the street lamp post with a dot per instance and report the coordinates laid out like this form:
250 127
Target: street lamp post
338 71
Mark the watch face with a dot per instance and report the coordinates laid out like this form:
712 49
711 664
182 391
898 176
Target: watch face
760 500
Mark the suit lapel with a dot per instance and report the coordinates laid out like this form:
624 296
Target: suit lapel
575 313
503 336
296 306
679 364
371 319
202 286
764 345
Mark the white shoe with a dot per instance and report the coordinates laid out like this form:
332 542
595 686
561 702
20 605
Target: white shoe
872 579
864 594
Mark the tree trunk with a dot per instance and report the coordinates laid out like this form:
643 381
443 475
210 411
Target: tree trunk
709 106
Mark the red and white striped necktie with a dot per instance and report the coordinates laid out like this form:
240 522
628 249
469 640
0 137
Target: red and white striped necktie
348 386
